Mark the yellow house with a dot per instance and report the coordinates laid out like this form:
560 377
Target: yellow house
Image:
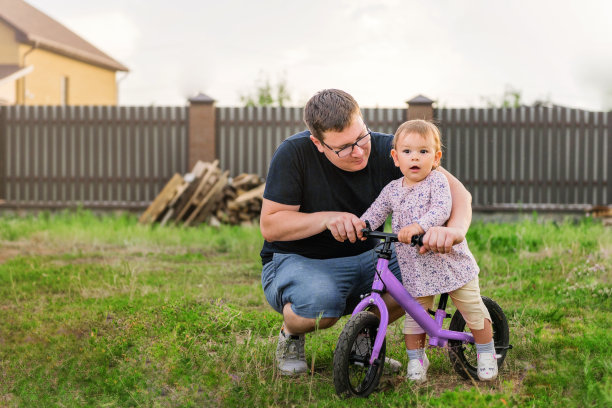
44 63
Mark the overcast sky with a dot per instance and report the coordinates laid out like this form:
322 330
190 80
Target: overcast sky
383 52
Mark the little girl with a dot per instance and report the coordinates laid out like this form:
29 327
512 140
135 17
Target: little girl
420 200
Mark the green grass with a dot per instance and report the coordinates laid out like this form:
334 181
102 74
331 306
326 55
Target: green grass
101 311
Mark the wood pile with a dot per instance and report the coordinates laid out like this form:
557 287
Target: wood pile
603 212
207 194
241 200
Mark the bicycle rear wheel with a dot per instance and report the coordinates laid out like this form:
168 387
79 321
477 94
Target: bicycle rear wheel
464 356
353 373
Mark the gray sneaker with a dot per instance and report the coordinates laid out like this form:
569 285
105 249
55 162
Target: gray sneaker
392 366
290 357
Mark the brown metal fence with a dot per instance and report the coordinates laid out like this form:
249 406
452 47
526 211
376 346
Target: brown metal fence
121 157
248 137
531 158
95 156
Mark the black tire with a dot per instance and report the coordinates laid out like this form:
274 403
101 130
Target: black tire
353 374
463 356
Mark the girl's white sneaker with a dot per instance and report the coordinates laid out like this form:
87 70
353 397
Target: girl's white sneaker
487 366
417 370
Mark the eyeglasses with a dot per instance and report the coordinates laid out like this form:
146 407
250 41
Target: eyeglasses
346 151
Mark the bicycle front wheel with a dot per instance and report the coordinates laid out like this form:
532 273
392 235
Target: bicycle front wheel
353 373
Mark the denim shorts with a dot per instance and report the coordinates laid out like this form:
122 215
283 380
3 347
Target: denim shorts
320 287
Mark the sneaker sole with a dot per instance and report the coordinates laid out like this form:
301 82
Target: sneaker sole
421 381
487 379
292 373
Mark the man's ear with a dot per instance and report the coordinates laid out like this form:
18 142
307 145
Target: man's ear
317 143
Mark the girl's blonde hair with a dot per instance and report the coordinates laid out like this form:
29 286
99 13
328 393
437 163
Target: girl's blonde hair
421 127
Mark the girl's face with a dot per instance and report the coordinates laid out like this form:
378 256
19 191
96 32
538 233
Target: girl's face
416 156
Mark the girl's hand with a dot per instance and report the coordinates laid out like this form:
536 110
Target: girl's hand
406 233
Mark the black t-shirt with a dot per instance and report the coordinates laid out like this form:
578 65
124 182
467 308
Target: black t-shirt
300 175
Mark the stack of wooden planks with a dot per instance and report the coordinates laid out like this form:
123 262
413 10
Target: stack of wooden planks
207 194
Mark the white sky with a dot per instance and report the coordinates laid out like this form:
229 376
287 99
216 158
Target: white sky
383 52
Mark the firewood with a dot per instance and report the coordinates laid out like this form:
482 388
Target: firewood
208 195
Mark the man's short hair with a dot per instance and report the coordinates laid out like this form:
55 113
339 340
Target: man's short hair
329 109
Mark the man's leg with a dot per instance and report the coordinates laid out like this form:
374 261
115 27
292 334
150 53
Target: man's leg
299 325
395 310
311 294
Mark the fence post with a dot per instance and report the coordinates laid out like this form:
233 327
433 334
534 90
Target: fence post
3 153
201 129
420 107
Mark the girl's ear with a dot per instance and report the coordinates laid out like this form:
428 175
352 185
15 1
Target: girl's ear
437 158
394 156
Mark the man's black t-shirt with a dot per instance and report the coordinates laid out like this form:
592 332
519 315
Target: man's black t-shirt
300 175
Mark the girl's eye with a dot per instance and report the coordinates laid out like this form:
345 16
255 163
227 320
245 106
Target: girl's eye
423 151
407 151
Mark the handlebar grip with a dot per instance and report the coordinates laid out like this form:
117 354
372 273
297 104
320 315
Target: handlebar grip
367 229
417 240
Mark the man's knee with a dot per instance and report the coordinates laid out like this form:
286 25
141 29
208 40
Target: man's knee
327 322
298 324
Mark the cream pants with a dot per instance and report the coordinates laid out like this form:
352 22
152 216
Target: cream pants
467 300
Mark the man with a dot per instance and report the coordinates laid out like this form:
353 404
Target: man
315 265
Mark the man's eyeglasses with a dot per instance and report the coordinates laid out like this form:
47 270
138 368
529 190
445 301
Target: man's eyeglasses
346 151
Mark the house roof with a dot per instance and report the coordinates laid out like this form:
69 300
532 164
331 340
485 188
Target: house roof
8 69
36 28
10 72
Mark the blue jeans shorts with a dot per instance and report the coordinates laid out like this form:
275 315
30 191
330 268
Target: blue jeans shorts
320 287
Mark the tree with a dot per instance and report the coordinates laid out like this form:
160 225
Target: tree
511 98
266 94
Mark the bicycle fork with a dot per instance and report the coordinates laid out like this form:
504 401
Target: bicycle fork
375 299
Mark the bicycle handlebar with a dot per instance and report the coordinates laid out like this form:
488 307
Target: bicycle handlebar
417 240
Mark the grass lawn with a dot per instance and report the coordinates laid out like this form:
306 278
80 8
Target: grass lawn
101 311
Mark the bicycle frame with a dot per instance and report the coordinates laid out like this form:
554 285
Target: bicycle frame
438 337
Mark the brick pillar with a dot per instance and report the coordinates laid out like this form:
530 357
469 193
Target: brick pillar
202 141
420 107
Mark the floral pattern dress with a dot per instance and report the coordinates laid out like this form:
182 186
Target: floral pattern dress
427 203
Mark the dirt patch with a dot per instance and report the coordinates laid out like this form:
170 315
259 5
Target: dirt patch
91 253
438 384
11 249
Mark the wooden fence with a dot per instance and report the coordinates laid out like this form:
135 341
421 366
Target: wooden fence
121 157
94 156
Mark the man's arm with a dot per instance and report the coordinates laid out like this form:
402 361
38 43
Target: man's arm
441 239
281 222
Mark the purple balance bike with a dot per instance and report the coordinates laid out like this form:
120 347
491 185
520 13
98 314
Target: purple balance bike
360 353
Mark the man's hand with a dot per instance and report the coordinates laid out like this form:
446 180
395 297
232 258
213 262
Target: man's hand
441 239
345 226
406 233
